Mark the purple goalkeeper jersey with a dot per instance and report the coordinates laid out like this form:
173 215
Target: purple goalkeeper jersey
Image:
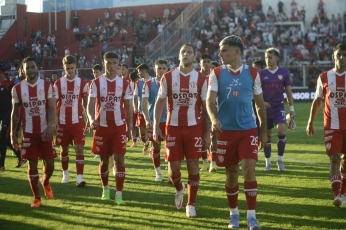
273 86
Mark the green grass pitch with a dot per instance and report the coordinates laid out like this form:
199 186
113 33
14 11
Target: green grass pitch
299 198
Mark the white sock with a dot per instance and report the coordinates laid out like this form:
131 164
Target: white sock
268 161
205 160
158 171
105 187
65 172
119 194
280 158
234 211
79 177
250 213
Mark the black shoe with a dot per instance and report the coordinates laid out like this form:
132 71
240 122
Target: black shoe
21 163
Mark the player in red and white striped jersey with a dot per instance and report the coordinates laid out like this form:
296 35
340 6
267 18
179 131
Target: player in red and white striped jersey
186 91
112 122
71 93
36 99
331 85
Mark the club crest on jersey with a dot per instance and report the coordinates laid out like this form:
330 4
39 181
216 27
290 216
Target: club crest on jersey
328 146
23 152
76 88
221 158
119 88
280 77
193 85
235 93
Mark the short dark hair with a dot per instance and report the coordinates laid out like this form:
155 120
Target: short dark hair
339 46
68 59
188 44
161 61
97 67
259 63
126 66
110 54
143 66
233 40
133 76
274 51
215 63
205 56
28 59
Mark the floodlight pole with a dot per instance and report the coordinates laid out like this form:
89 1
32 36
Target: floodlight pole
49 18
68 14
56 17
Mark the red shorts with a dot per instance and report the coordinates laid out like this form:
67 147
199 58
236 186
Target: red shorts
335 141
140 120
70 134
183 141
235 145
109 140
162 126
34 148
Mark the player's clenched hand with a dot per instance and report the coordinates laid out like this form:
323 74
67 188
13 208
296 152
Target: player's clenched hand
149 125
262 139
267 105
87 126
216 126
47 133
157 133
310 129
292 115
14 142
94 125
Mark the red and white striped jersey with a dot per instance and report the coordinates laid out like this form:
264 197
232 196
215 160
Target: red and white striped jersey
332 86
110 96
185 93
33 104
69 95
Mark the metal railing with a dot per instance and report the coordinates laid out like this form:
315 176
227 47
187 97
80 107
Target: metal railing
178 32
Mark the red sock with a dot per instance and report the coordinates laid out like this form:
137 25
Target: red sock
33 180
80 164
343 184
64 161
156 158
47 175
177 182
134 140
336 182
104 175
192 185
250 189
120 177
232 196
213 156
204 154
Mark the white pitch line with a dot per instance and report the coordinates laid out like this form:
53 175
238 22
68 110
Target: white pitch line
299 161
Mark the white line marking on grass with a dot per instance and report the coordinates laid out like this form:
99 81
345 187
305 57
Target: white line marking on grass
299 161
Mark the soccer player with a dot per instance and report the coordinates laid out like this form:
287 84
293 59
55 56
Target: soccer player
275 81
331 87
133 79
214 64
186 91
5 119
112 96
125 71
97 72
71 92
205 64
36 99
150 91
233 85
143 72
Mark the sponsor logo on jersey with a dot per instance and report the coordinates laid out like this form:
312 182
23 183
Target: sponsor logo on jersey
328 131
221 151
328 138
222 142
171 138
170 144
